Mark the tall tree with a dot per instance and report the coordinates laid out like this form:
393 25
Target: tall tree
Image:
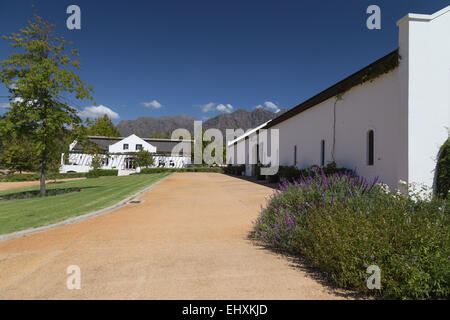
37 76
103 126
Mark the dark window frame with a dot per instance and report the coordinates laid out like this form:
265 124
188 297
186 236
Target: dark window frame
370 147
295 155
322 152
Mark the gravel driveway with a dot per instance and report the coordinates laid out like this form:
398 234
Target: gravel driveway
186 240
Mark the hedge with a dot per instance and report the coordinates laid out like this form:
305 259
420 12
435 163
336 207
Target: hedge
102 173
193 169
291 173
236 170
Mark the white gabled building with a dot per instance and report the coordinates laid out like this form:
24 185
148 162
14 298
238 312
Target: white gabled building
118 154
391 126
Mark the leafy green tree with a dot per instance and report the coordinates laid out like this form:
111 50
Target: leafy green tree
103 126
18 155
143 159
37 76
53 166
96 162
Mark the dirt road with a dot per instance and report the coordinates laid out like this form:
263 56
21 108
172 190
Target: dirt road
187 240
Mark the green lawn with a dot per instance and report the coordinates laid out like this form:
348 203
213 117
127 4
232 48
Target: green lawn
96 193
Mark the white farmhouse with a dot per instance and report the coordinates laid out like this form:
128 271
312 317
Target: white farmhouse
391 126
118 153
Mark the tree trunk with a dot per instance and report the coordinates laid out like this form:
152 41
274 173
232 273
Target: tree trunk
43 168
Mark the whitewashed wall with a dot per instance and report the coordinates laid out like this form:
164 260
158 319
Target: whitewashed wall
425 48
132 141
371 106
80 162
408 109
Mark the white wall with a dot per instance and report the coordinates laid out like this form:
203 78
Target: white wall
132 141
408 109
371 106
426 50
80 162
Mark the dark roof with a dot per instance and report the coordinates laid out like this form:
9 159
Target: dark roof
102 142
162 145
378 67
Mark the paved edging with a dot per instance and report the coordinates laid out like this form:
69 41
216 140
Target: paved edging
68 221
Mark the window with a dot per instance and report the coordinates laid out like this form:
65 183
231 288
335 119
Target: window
125 146
139 147
105 161
322 153
257 152
295 155
370 148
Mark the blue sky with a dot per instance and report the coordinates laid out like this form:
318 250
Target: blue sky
201 58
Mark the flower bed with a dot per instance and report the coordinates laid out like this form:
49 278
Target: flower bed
342 224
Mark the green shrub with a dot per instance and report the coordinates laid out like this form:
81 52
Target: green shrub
102 173
341 224
258 174
291 172
236 170
193 169
443 171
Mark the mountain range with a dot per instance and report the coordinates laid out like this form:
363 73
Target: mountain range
163 126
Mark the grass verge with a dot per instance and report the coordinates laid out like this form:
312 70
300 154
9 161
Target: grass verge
95 194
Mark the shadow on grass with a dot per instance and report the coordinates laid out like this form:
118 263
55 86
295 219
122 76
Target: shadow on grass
311 271
33 194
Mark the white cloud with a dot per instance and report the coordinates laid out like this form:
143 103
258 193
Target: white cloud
269 105
4 105
272 106
227 108
98 111
152 104
208 107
